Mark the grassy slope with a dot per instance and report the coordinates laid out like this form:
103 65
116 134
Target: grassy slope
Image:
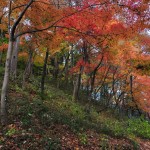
57 122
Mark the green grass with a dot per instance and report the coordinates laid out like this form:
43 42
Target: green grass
36 112
57 107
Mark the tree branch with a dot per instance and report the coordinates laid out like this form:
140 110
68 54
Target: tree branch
53 25
19 19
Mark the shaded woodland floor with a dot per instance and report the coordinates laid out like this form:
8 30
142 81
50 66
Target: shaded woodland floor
55 122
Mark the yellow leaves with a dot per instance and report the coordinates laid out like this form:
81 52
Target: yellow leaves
65 45
55 50
39 59
3 26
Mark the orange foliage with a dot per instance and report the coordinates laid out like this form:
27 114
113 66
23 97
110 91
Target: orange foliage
142 92
4 46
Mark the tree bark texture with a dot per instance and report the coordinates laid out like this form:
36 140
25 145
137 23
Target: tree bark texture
14 58
5 84
44 72
28 69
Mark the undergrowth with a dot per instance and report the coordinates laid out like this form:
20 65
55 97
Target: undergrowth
36 113
58 107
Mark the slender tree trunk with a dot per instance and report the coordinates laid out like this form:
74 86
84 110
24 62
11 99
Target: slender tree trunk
131 87
28 69
132 96
44 72
66 69
5 84
87 87
71 63
77 85
1 56
92 83
93 75
78 77
72 58
14 58
56 69
8 59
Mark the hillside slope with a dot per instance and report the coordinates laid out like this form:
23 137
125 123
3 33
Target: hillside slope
56 122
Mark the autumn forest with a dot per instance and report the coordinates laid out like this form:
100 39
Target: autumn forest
75 74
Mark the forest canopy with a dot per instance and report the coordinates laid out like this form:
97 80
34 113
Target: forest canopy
98 47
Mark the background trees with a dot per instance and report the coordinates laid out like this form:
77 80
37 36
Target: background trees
92 45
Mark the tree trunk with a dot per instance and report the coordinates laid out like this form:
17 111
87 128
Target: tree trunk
92 83
78 77
66 69
71 63
93 75
77 85
14 58
1 56
44 73
8 60
56 69
5 84
28 69
132 96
